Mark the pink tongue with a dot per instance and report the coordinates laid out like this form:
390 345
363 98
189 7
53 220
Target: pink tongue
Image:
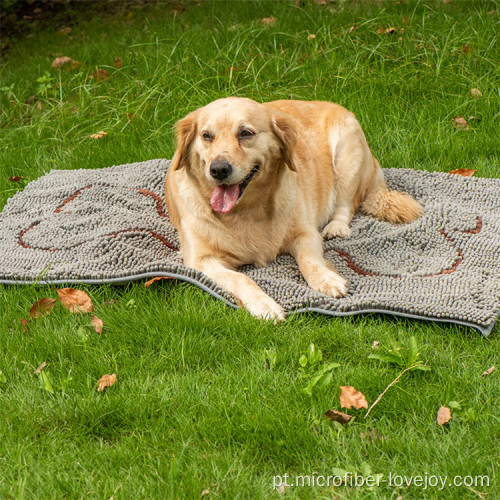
224 198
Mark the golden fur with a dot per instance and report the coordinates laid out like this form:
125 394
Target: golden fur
315 170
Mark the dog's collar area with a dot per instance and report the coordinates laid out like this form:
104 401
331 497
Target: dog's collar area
246 181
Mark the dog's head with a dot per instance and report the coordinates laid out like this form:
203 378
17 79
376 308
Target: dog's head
232 147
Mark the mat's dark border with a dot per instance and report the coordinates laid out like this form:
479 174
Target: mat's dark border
485 330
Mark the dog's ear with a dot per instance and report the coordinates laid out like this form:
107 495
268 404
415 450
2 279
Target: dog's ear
185 132
287 135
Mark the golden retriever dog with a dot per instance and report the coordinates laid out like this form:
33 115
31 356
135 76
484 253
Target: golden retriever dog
249 181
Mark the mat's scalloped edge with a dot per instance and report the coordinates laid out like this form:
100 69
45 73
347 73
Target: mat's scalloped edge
485 330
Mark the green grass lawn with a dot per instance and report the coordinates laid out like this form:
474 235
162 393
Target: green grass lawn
197 411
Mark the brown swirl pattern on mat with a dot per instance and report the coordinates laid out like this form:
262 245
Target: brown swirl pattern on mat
69 199
460 257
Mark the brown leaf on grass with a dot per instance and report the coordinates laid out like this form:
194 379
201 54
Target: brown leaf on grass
491 12
65 31
118 63
350 397
24 322
99 135
40 368
75 301
464 172
97 324
106 381
489 371
158 278
475 93
380 30
372 435
42 307
460 122
338 416
268 21
15 178
100 74
59 62
443 415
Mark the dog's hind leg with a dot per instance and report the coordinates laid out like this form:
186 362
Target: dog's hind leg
353 166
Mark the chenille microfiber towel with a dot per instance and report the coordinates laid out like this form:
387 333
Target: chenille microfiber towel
111 225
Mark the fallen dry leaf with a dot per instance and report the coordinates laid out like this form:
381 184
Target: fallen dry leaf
42 307
350 397
97 324
380 30
65 31
24 322
489 371
59 62
372 435
100 74
15 178
491 12
106 381
311 36
75 301
476 93
118 63
40 368
99 135
268 21
338 416
158 278
443 415
464 172
460 122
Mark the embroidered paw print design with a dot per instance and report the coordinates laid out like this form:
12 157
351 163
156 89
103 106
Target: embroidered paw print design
405 251
80 220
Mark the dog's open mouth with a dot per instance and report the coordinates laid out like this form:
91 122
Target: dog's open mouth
225 197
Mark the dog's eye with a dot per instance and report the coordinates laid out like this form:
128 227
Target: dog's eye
206 136
246 133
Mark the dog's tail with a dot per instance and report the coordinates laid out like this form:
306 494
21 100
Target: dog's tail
391 206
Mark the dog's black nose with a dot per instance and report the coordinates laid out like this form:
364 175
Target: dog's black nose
220 169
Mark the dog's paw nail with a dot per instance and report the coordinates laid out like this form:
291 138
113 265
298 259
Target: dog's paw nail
336 229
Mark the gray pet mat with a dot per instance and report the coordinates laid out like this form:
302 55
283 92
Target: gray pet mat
111 225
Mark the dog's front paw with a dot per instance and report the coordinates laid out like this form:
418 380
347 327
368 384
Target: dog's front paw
336 229
332 285
266 308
